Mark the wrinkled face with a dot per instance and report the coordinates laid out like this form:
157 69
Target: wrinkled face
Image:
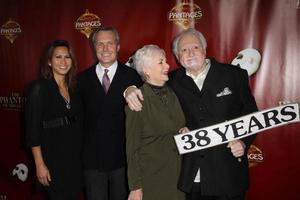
60 62
21 171
106 48
248 59
157 68
191 54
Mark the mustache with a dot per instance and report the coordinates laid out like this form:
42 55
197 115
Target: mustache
192 62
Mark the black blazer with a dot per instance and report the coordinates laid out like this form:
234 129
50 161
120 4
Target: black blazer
220 172
104 118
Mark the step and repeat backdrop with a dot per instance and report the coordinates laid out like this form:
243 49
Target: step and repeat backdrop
262 36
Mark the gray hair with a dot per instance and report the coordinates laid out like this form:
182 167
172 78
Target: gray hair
143 55
190 31
103 29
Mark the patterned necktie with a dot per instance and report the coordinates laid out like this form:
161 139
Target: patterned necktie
105 80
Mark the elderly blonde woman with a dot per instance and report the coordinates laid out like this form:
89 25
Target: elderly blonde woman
153 160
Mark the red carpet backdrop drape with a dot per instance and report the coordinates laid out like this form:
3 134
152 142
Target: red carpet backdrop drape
271 27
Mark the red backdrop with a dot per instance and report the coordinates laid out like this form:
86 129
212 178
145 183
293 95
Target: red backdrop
271 27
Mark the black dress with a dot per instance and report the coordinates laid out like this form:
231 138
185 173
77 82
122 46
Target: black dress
57 129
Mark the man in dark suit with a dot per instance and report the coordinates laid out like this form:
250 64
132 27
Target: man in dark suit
209 92
101 88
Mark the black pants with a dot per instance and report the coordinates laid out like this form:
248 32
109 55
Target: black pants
63 196
110 185
56 194
196 195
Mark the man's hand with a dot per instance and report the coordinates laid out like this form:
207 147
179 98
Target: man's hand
183 130
133 97
136 195
237 148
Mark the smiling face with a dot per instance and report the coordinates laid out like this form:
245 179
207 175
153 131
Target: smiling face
106 47
157 68
191 54
60 61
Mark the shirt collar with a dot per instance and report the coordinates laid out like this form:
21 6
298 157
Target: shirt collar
203 73
111 68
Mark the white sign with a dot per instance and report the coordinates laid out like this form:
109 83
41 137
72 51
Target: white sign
237 128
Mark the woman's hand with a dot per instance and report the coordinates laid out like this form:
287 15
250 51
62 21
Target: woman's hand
136 194
43 174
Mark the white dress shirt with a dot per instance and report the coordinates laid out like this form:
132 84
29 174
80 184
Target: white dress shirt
111 71
199 79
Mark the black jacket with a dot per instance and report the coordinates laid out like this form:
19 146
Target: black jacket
104 118
220 172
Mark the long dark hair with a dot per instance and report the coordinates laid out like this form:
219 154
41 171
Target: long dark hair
46 71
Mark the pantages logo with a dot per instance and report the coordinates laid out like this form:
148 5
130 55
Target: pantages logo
13 102
11 29
255 156
185 14
87 22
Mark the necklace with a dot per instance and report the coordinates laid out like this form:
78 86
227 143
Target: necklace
67 100
68 103
63 90
161 92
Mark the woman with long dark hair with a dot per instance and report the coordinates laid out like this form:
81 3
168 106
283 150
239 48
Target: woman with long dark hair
53 124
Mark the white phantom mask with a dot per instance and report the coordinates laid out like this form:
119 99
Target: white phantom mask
129 62
248 59
21 171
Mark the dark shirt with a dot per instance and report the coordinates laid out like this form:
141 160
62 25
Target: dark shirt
61 143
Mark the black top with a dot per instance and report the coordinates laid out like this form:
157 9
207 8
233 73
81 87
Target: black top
60 141
104 118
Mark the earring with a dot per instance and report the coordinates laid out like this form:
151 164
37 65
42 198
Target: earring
147 77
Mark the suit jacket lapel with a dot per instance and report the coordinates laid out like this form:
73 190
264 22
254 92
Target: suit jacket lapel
118 77
97 83
95 80
211 78
188 83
